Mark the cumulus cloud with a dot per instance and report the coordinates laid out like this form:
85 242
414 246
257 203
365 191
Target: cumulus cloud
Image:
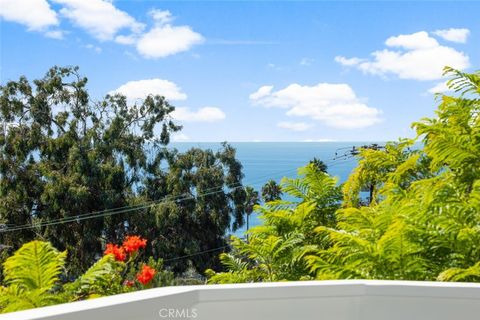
205 114
98 17
55 34
294 126
439 88
36 15
140 89
161 16
164 40
417 56
262 92
418 40
335 105
347 61
126 40
105 22
454 35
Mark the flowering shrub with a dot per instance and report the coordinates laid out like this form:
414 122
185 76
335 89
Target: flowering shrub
133 244
146 275
33 275
135 276
118 252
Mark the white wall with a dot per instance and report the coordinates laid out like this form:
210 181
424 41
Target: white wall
329 300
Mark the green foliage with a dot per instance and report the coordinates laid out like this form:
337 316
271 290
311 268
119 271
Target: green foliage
213 200
63 156
35 277
36 265
319 165
271 191
275 251
422 223
31 274
103 278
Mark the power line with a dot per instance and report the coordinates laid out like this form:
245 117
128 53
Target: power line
126 209
132 208
196 254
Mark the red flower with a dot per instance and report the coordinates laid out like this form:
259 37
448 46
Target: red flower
128 283
146 275
117 251
133 243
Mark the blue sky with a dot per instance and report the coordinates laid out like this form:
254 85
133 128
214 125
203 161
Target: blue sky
254 71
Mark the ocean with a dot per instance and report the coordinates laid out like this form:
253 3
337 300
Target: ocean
263 161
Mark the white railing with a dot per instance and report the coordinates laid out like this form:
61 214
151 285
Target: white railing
329 300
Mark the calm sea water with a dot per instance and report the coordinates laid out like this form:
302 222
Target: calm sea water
263 161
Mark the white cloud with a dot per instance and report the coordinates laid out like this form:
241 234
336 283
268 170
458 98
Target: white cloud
306 62
126 40
94 48
140 89
439 88
98 17
105 22
161 16
179 137
454 35
205 114
294 126
261 92
164 40
36 15
418 40
348 61
55 34
335 105
418 57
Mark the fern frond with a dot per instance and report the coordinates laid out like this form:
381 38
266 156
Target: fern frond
36 265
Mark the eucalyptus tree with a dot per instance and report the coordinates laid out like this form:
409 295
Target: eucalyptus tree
200 197
67 164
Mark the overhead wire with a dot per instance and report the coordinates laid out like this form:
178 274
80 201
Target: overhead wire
132 208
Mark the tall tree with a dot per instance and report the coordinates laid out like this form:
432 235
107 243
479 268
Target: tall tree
251 200
64 157
271 191
319 165
204 199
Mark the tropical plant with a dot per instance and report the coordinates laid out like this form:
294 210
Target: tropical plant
424 222
276 249
251 200
31 274
319 165
421 223
271 191
35 275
